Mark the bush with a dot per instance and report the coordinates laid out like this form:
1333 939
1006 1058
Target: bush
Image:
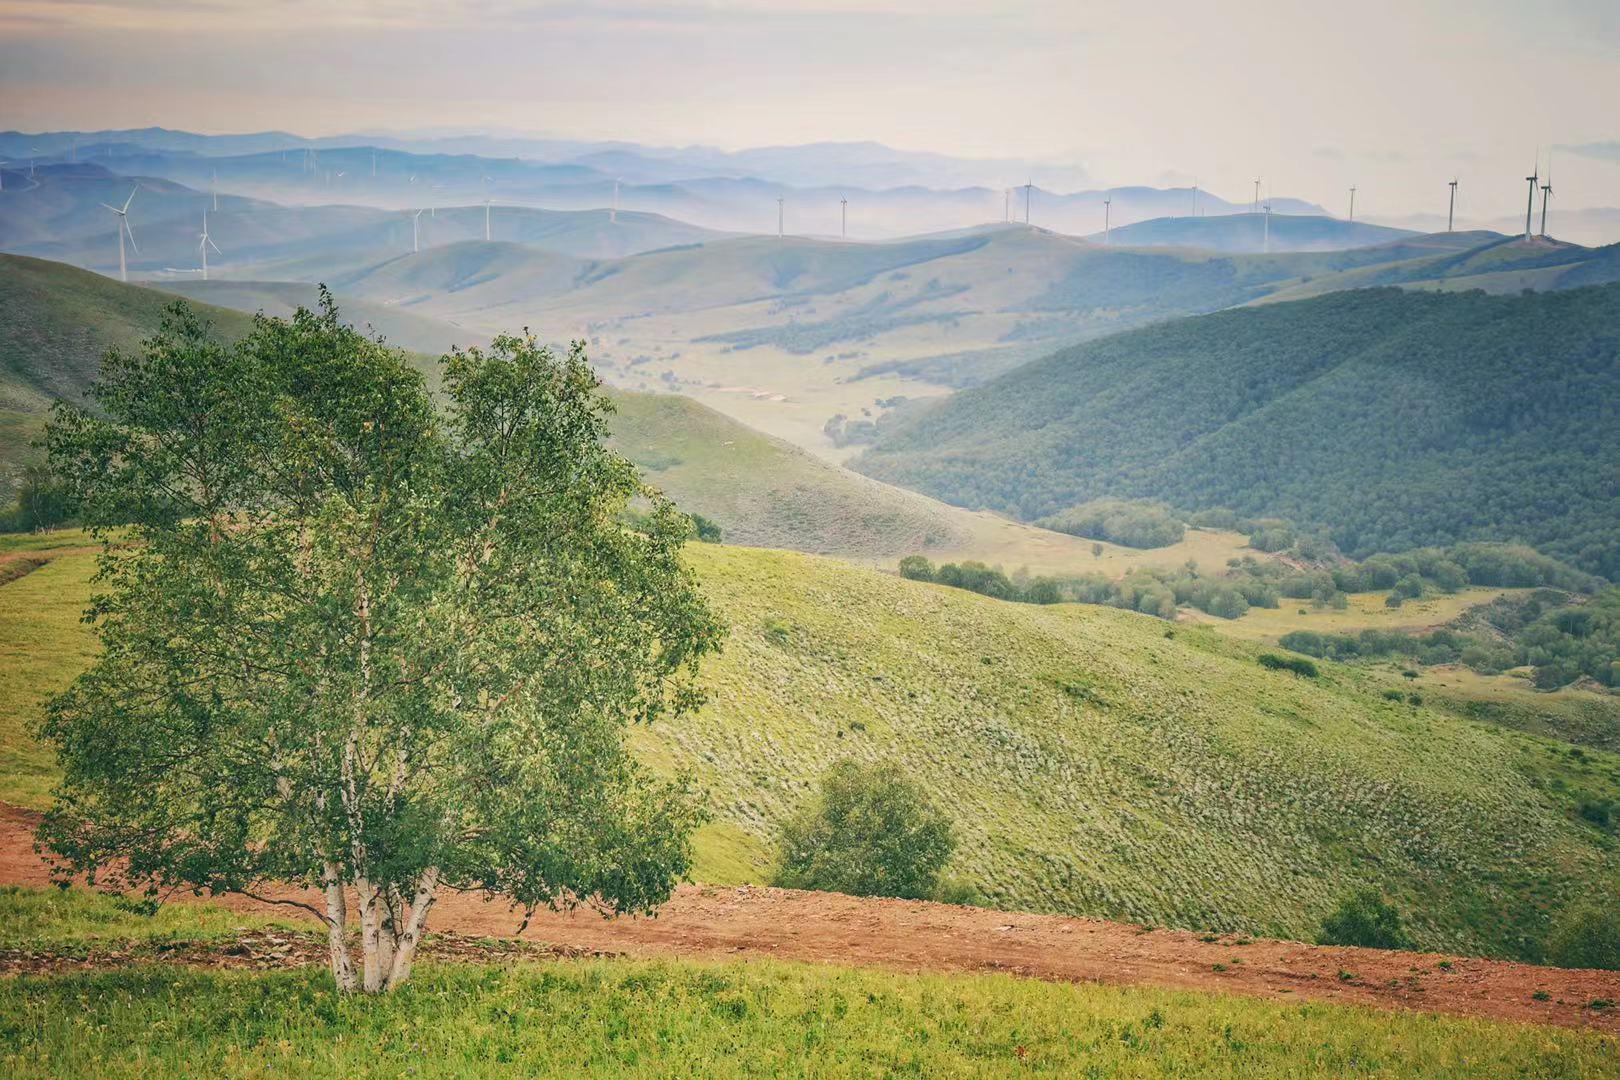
869 833
916 568
1366 919
1586 937
1136 524
1299 665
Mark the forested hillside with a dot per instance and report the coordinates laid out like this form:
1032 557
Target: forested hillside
1393 419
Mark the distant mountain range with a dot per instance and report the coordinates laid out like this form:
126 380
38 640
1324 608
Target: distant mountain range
890 192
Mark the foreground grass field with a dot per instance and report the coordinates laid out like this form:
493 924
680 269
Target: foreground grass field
759 1018
1096 761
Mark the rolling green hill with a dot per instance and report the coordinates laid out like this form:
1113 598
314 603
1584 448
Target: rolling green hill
1249 233
1094 761
56 321
1395 419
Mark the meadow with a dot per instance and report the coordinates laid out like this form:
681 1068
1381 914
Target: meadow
1097 761
627 1017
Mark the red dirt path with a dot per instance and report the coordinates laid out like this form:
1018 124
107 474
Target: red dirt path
916 936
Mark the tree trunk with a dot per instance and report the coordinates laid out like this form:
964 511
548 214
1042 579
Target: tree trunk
410 935
337 919
390 932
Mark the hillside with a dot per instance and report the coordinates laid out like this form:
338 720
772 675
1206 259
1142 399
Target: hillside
1096 762
785 334
55 323
1395 419
1248 233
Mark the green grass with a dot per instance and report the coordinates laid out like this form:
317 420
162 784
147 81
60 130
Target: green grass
759 1018
43 645
1094 763
75 921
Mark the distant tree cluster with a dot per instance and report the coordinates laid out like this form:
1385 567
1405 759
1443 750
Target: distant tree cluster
1135 523
1563 638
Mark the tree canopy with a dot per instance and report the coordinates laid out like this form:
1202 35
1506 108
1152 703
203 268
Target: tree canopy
365 640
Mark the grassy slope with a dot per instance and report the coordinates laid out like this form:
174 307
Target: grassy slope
1094 764
55 323
765 492
758 1018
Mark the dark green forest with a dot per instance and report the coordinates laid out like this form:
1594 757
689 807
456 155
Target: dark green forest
1391 419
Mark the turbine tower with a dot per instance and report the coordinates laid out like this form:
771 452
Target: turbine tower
1006 205
1195 199
33 152
374 164
3 165
204 243
1254 207
843 217
1267 243
1546 192
1530 205
1029 187
415 220
1352 216
1451 210
213 190
779 217
123 228
613 215
1107 205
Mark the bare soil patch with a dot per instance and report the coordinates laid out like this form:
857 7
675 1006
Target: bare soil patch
910 935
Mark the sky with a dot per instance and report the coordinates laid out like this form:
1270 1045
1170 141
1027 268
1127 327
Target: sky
1393 97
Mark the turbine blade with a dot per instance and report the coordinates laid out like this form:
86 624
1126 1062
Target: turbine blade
131 233
215 247
131 198
114 209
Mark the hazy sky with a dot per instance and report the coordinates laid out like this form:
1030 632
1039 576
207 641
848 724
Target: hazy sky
1394 97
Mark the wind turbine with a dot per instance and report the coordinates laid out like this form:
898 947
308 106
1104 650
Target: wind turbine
843 217
1029 186
415 219
1530 205
779 217
123 228
1195 198
204 243
1254 207
1352 216
1546 191
1451 210
1268 226
1107 210
32 152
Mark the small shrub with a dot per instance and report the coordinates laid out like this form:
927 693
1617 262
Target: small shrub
1586 937
1366 919
869 833
1299 665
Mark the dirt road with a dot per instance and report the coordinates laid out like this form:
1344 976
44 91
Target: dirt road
916 936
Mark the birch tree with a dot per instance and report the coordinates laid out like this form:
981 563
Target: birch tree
369 642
